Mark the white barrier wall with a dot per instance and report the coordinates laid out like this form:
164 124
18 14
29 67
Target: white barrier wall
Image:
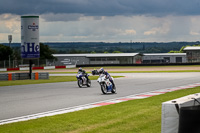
49 67
3 69
71 66
170 116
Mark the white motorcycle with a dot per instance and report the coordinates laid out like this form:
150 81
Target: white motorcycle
106 85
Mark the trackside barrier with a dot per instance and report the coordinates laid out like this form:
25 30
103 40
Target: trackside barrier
36 68
12 69
23 76
36 76
3 69
24 68
49 67
9 76
71 66
60 67
40 75
171 109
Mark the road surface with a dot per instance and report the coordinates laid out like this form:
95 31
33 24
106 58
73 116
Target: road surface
21 100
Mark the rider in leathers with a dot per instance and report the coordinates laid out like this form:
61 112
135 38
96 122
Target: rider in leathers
80 70
101 71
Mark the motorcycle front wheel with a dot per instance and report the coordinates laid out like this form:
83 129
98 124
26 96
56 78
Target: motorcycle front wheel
114 89
80 83
104 88
89 83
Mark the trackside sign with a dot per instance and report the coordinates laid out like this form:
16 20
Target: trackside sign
30 47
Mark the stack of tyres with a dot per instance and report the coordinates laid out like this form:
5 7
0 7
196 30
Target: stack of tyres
189 119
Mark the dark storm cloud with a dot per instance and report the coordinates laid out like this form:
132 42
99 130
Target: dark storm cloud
102 7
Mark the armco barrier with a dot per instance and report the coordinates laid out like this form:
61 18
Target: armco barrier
23 76
40 75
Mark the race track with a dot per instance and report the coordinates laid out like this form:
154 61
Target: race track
21 100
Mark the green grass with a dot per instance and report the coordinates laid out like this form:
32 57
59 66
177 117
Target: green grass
135 116
52 79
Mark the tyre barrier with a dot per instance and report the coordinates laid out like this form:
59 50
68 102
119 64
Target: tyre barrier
23 76
181 115
189 119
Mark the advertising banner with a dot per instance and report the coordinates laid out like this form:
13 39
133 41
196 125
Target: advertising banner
30 47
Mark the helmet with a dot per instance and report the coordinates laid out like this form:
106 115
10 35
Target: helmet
101 70
80 69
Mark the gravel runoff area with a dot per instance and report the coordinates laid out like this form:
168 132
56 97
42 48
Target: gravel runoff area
138 68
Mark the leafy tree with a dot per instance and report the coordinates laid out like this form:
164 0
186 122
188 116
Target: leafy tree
5 51
74 51
116 52
46 52
93 52
181 50
16 53
172 51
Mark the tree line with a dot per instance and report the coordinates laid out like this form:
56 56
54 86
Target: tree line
15 53
47 53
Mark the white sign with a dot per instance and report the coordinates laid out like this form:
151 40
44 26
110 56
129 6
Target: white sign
30 47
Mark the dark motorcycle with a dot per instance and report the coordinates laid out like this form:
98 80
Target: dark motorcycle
82 80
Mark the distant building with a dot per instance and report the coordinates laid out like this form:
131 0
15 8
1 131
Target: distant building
157 58
119 58
193 54
108 58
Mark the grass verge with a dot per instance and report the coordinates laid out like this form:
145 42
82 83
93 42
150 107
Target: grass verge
52 79
138 116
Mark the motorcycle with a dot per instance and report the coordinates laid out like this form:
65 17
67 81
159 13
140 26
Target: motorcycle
82 80
106 85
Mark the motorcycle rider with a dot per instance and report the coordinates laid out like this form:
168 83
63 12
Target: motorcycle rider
83 72
102 71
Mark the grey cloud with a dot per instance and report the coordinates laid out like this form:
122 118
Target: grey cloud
61 17
102 7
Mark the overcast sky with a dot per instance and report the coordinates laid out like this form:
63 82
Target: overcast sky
104 20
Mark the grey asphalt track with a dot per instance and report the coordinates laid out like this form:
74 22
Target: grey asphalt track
21 100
